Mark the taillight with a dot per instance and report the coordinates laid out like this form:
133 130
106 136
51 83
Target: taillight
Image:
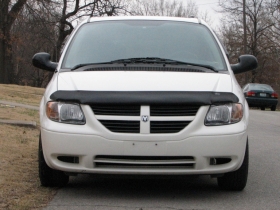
274 95
250 93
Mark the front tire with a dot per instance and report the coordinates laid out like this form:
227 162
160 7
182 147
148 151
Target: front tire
48 176
236 180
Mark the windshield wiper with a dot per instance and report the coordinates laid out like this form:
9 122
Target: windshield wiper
156 60
123 61
87 64
146 60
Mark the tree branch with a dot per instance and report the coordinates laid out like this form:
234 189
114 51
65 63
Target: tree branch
13 13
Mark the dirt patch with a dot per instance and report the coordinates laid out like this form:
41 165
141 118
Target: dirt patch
19 182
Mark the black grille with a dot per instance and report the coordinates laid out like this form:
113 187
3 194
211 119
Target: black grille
168 126
124 110
130 124
122 126
173 110
144 162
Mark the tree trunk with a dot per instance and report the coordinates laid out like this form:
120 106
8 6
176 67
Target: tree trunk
3 77
6 63
3 26
7 18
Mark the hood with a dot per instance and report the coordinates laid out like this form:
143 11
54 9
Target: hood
144 81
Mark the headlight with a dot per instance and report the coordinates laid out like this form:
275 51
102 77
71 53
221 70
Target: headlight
65 113
224 114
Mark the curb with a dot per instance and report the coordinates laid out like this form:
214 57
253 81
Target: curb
7 103
20 123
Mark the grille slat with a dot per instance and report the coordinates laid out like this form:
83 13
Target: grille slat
135 162
168 126
122 126
125 110
173 110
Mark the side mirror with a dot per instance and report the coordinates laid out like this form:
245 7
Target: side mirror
246 63
42 60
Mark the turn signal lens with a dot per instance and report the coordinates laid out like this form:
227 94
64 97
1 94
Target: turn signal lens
224 114
52 111
236 113
65 113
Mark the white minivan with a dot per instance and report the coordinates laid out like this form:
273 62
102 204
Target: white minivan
144 96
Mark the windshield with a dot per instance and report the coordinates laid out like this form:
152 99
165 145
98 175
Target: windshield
105 41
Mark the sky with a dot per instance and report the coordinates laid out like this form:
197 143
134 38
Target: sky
209 6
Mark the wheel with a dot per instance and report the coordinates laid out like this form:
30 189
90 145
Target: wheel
236 180
273 108
262 108
48 176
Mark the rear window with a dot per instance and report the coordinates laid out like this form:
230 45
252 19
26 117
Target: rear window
106 41
260 87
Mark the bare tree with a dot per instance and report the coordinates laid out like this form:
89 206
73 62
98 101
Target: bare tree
32 32
258 29
206 17
173 8
8 15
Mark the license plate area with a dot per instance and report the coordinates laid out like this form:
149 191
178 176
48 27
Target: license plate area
262 94
144 148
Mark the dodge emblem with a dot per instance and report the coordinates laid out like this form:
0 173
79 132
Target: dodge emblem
145 118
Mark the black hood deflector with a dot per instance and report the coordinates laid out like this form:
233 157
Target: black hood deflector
145 97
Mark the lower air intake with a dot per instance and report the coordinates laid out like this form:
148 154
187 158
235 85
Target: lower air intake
144 162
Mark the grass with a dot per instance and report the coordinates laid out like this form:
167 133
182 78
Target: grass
21 94
19 183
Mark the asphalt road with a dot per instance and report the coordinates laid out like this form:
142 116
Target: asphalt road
262 191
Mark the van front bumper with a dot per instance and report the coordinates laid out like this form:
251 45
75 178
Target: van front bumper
78 153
